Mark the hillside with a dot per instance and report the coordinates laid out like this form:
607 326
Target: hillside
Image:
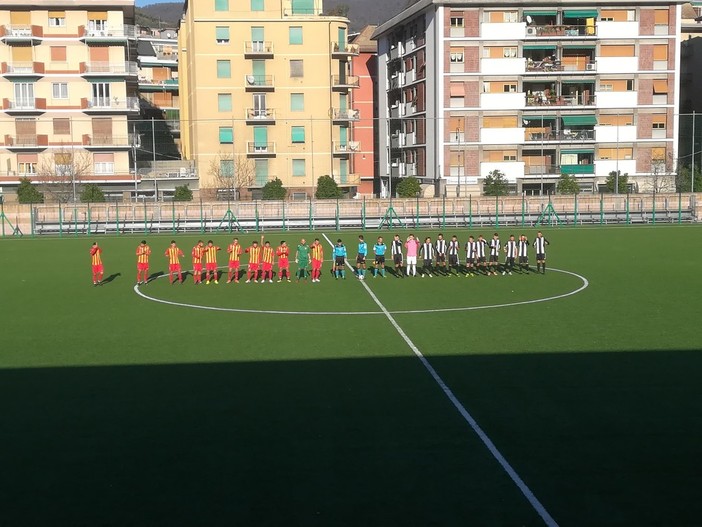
360 12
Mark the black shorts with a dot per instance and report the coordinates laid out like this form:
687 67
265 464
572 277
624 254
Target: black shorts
481 259
453 259
361 259
494 258
440 258
339 261
470 261
397 258
523 259
427 262
380 259
540 256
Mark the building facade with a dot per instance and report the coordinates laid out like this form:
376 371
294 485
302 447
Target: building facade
68 92
266 93
531 92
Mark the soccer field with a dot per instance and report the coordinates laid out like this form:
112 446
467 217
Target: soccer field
339 403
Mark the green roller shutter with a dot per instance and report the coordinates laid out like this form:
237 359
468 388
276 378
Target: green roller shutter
579 46
257 34
298 134
577 169
303 7
580 14
260 136
541 46
540 13
578 151
539 117
343 135
577 81
226 135
579 120
261 167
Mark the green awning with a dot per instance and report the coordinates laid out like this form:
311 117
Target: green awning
580 14
579 46
539 117
579 151
542 46
540 13
577 169
578 81
576 120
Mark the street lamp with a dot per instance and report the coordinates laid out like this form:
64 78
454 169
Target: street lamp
460 159
136 144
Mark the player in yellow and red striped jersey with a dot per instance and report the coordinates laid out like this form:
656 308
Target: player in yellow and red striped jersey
267 256
234 251
143 252
317 250
198 253
211 262
283 254
96 261
254 252
173 253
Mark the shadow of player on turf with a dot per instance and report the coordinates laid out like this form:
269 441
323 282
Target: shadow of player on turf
154 276
111 278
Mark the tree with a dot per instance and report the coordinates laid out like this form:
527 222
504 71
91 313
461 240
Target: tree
28 193
683 180
339 10
231 173
409 187
567 184
623 183
327 188
91 193
61 172
495 184
662 176
183 193
274 190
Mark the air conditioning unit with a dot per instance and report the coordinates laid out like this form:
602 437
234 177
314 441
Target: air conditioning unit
590 67
531 31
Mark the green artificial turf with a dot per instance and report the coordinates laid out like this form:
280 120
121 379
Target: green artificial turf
117 410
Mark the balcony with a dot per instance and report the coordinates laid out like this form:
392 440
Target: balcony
348 180
301 12
541 99
26 142
345 82
257 49
25 105
160 59
339 50
260 115
21 34
108 69
254 149
345 148
339 115
110 35
106 142
33 70
164 85
540 170
580 168
110 105
565 135
259 82
565 30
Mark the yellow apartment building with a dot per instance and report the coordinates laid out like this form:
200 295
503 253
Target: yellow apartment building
67 91
266 93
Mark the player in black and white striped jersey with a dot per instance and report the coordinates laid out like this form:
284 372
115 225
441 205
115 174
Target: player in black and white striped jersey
440 248
523 253
481 245
494 255
454 246
396 251
471 256
540 244
428 254
511 252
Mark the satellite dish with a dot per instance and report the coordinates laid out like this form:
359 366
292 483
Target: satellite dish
529 20
251 79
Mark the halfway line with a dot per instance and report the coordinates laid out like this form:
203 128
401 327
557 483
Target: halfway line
526 491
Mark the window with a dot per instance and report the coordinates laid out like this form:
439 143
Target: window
62 126
224 69
57 19
27 167
226 135
101 94
298 134
295 35
630 85
606 87
104 163
298 167
63 164
257 5
659 122
221 5
24 95
297 102
509 52
261 170
59 90
509 88
224 102
58 53
226 167
222 34
257 39
456 55
456 21
296 68
509 157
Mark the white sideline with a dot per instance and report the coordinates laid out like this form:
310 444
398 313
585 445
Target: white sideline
528 494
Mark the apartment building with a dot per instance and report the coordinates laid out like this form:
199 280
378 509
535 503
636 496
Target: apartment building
266 90
531 91
68 92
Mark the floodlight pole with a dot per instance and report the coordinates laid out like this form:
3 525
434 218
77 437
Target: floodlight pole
692 154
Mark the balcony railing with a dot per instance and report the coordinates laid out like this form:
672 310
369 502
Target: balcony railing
535 170
104 141
258 47
258 81
168 84
346 115
23 68
119 68
347 147
260 114
263 149
562 135
109 33
345 81
348 179
561 100
21 33
565 30
24 104
346 50
113 104
26 141
301 12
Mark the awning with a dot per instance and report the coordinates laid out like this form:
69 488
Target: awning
577 169
539 117
579 46
580 14
579 151
542 46
577 120
578 81
660 86
540 13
